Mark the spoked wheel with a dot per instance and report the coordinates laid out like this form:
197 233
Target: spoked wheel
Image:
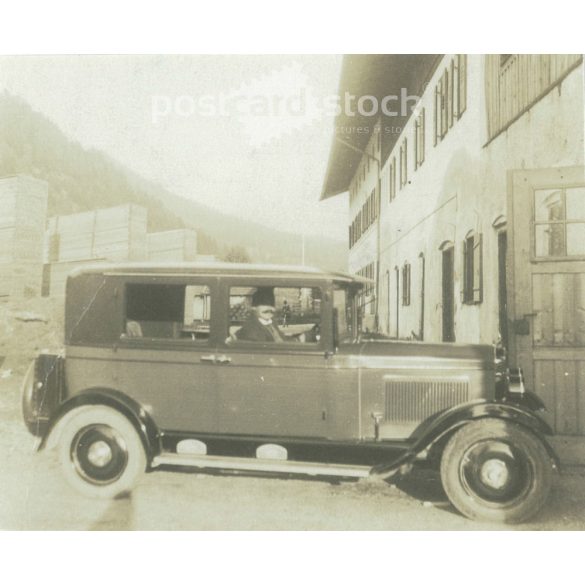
100 451
497 471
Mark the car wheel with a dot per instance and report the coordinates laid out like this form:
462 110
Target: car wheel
100 451
497 471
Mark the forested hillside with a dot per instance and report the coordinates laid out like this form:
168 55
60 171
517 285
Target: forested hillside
84 179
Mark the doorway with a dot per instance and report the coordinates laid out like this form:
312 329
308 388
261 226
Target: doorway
448 296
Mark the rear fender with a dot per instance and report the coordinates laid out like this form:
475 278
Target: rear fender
115 399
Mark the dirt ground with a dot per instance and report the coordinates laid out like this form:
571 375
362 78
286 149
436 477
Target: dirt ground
34 496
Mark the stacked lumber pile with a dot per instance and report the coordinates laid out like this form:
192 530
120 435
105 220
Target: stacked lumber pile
172 246
23 211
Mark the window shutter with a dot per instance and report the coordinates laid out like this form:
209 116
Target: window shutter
435 117
462 84
422 137
444 92
465 287
478 269
450 91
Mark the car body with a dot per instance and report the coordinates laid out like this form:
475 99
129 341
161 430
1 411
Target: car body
153 373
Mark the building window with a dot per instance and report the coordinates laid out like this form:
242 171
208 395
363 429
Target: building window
559 222
450 96
403 163
472 269
392 181
419 140
406 284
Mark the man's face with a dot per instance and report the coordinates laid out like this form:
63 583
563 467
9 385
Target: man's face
264 311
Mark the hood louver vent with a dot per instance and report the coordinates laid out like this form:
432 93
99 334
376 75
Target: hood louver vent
409 400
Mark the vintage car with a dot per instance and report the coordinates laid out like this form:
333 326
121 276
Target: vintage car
156 372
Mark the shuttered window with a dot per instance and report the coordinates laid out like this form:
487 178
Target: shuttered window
403 163
450 96
472 269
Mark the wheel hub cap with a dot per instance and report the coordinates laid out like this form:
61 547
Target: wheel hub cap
99 454
495 473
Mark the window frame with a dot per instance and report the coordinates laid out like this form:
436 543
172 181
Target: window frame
148 342
272 347
564 222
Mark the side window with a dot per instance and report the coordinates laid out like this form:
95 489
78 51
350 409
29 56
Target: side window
265 314
167 311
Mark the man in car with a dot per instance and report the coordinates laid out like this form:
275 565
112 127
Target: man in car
261 325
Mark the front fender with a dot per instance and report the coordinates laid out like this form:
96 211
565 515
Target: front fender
435 427
429 433
137 415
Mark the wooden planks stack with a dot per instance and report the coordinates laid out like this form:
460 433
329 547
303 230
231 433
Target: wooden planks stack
23 211
172 246
115 234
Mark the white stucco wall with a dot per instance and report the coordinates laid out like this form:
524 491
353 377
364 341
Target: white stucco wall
462 186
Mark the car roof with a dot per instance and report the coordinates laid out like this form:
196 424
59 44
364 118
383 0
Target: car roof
215 269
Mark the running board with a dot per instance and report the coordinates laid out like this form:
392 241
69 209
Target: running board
252 464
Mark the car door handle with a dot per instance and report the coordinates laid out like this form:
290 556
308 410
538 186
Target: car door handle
223 359
207 358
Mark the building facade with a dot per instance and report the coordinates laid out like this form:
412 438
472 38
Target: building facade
469 211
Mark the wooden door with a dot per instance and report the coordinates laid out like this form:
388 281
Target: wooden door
547 296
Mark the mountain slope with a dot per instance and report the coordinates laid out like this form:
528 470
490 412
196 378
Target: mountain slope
84 179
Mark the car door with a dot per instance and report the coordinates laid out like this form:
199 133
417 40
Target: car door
165 355
268 388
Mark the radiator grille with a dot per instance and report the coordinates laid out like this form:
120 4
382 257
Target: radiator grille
415 400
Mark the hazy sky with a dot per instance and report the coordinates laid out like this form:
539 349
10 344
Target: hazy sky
241 134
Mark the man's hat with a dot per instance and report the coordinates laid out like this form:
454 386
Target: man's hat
263 296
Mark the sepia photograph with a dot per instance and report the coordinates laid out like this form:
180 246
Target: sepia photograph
297 292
